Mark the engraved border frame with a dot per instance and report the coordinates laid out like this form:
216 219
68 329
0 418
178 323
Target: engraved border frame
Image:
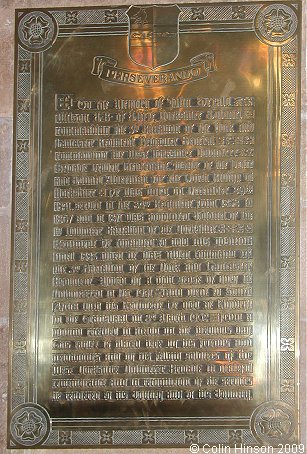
284 149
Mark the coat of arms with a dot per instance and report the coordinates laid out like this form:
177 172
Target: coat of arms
154 34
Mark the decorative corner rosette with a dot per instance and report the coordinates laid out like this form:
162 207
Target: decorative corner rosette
273 422
276 24
37 31
30 425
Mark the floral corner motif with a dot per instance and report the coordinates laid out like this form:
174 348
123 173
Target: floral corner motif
37 31
273 422
29 426
276 24
29 423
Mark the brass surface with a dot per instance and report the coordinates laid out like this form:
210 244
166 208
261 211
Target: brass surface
154 298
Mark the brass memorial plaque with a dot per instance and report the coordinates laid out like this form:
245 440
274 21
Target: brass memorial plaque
154 268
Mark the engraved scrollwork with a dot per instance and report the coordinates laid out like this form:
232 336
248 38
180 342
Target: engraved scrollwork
276 24
273 422
37 31
30 425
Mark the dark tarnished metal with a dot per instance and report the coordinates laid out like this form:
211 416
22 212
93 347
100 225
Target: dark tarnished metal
154 263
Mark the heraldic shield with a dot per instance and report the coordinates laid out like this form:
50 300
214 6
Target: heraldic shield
154 34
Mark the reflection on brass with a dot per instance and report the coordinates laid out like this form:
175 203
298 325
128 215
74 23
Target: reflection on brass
155 234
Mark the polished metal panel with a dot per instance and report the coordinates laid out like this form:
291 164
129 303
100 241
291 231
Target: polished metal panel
154 282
